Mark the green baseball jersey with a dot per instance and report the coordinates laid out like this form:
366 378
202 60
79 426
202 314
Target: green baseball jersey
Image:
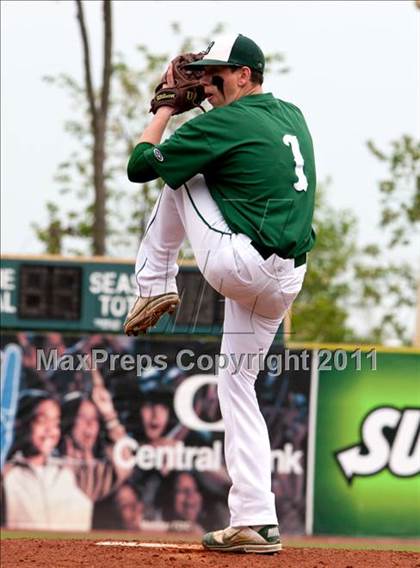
257 158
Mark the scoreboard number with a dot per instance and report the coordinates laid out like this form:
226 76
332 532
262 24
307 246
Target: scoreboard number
50 292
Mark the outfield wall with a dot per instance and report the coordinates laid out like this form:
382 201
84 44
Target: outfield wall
344 426
170 457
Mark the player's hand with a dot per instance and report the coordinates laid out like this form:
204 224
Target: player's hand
169 76
169 83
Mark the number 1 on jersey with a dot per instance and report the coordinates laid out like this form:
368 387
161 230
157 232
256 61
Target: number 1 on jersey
293 142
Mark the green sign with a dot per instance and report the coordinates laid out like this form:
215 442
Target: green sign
367 448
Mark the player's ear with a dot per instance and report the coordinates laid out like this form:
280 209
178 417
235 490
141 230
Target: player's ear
244 76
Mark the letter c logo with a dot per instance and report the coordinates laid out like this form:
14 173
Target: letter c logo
184 404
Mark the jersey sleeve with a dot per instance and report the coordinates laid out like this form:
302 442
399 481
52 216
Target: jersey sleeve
138 169
185 154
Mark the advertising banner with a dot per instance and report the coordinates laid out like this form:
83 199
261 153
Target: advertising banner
111 432
367 447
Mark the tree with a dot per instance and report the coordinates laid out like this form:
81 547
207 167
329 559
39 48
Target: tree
321 311
97 103
400 192
345 279
346 282
384 290
392 283
98 119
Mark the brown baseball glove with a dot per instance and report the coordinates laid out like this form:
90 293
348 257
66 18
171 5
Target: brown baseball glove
186 92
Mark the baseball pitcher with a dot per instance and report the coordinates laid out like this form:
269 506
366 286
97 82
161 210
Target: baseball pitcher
240 185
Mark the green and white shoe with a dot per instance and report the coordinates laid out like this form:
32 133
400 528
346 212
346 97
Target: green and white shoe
262 540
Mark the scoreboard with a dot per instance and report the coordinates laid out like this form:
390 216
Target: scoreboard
94 295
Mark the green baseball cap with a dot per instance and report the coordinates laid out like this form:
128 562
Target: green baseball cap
234 50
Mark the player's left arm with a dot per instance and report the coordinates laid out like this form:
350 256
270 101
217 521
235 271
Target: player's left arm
154 130
181 156
138 169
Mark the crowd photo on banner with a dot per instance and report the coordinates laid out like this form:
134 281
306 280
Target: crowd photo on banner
96 446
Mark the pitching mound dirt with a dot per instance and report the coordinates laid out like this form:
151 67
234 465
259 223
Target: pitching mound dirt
73 553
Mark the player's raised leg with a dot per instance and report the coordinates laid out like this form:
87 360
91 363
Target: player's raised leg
188 211
156 266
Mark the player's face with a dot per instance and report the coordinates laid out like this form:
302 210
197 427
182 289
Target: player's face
45 428
188 499
86 426
221 85
155 419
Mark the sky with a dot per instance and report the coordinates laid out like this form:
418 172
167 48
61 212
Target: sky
354 74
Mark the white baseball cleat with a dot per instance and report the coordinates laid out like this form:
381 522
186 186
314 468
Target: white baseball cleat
146 312
262 540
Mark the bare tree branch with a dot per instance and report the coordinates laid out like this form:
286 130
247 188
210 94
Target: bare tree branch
86 62
107 65
98 116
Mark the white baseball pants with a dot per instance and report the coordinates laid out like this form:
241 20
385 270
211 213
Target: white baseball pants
258 292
